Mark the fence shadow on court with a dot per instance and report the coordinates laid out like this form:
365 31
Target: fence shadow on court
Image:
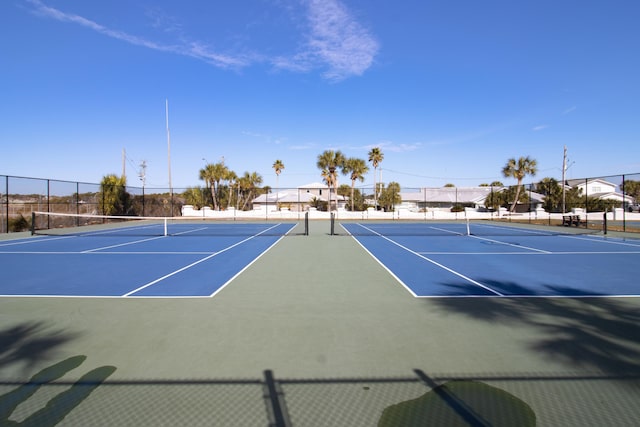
592 333
589 333
436 399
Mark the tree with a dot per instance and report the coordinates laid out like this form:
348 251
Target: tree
552 191
249 183
329 162
390 196
278 166
194 196
519 169
632 188
375 157
356 169
114 199
212 174
495 199
232 180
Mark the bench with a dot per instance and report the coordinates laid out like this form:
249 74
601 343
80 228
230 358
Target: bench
569 220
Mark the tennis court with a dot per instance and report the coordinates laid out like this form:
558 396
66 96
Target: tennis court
143 259
309 329
449 259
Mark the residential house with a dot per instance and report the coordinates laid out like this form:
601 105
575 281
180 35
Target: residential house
448 197
601 189
297 199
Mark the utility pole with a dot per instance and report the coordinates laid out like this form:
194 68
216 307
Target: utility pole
143 173
564 171
124 160
143 177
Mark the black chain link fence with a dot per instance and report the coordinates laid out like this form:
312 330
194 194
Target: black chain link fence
610 198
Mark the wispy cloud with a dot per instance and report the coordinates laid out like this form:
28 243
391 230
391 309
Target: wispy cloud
394 147
307 146
264 137
334 40
194 49
539 128
570 110
338 40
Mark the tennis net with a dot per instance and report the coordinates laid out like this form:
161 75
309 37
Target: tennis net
50 223
461 227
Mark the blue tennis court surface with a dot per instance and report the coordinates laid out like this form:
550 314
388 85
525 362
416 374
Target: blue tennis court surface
130 264
509 263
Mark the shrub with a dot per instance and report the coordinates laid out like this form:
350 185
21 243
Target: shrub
19 224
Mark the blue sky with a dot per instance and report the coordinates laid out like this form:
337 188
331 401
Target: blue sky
448 89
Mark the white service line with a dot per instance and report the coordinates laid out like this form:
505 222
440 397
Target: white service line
511 244
173 273
605 240
35 240
135 242
436 263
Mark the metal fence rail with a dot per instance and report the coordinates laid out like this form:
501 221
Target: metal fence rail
616 195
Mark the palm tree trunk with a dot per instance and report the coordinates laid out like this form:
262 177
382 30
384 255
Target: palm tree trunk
515 202
375 189
213 196
353 183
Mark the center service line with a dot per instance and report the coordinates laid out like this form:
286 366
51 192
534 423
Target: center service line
197 262
435 262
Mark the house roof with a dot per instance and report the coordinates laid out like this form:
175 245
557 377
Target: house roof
292 196
448 194
314 185
285 196
578 182
464 195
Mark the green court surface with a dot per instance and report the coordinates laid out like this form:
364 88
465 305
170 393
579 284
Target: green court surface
317 333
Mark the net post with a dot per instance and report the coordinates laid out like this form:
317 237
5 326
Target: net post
604 223
333 221
165 227
33 223
306 223
468 228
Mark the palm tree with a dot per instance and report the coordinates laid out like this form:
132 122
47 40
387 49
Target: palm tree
212 174
194 196
356 169
277 166
232 181
328 162
248 183
519 169
375 157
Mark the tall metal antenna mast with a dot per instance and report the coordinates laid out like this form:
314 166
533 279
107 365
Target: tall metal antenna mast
169 149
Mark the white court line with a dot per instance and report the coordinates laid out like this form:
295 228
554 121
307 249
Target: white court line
166 276
104 253
604 239
135 242
248 265
456 233
534 253
38 239
435 263
189 231
511 244
381 264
